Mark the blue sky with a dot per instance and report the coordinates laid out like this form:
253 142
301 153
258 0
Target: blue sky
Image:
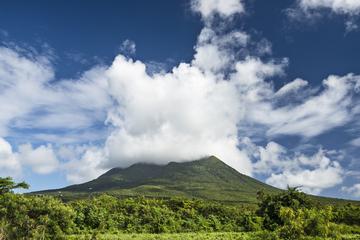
270 87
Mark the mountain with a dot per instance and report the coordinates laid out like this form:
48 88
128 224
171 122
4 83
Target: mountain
207 178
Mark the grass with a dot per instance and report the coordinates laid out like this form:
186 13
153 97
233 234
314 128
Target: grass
191 236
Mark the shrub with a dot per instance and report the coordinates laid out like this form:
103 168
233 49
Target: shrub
270 205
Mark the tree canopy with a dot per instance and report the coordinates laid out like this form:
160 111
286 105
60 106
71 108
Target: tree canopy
7 184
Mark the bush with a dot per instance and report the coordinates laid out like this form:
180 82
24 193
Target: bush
306 222
31 217
270 206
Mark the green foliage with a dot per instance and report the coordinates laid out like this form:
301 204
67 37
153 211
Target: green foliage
293 217
8 185
287 215
34 217
348 214
270 206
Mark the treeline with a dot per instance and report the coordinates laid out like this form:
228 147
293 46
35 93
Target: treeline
288 215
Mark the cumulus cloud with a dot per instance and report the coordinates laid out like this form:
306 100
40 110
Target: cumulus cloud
216 52
353 190
42 159
312 173
9 164
310 181
181 115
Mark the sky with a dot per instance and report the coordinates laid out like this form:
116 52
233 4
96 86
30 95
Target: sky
270 87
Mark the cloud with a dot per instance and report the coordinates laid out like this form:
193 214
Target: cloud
306 118
313 9
353 190
355 142
42 159
312 173
227 8
128 47
291 87
9 164
310 181
31 99
82 163
216 52
350 7
181 115
350 25
21 80
192 111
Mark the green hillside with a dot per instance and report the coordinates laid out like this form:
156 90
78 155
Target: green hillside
207 178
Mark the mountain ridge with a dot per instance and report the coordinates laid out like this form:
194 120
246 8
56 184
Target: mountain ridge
208 178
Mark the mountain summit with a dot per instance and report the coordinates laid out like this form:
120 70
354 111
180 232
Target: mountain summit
208 178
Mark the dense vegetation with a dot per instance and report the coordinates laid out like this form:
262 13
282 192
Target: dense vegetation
286 215
208 178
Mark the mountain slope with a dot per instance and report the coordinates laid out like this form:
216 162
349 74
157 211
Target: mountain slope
207 178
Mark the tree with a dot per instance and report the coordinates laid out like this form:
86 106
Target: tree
270 205
7 184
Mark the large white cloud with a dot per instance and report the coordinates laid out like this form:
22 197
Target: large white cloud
182 115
